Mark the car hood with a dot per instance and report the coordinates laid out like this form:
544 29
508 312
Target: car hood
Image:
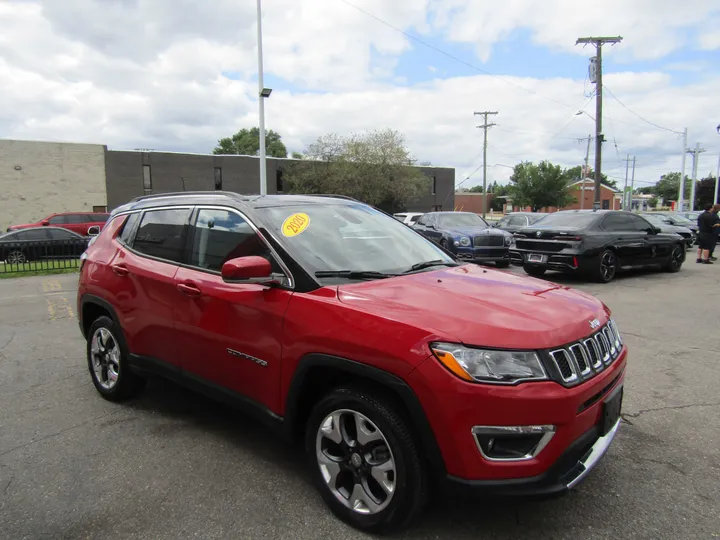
481 306
475 231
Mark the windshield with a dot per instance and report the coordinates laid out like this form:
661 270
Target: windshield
349 237
681 220
460 219
534 219
571 219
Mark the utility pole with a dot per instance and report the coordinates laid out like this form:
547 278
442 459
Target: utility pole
717 181
485 127
695 154
625 197
261 103
583 176
681 195
598 42
632 184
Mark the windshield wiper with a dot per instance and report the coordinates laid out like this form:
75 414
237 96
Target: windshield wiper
353 274
429 264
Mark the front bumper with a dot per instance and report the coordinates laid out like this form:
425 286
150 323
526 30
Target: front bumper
567 472
483 254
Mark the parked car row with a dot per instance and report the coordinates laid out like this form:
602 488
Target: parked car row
77 222
41 243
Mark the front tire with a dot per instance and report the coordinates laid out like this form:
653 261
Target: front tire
16 257
674 263
607 267
365 461
107 357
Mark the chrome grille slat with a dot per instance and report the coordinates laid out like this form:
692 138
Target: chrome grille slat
586 358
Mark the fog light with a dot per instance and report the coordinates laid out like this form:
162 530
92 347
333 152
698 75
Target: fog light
512 443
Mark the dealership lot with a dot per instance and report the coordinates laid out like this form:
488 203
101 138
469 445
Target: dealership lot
174 465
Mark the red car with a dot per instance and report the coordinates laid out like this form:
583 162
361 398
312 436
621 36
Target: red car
77 222
395 366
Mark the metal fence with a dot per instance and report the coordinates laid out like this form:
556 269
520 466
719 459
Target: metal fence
39 256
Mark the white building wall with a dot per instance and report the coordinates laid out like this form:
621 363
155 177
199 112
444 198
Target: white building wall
42 178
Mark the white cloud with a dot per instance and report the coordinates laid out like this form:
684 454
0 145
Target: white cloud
149 73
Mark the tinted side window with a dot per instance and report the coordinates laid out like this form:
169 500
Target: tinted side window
98 218
619 222
128 228
59 220
221 235
162 234
36 234
60 234
414 219
517 221
76 218
423 220
640 224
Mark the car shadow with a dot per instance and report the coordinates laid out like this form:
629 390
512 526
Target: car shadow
443 518
626 276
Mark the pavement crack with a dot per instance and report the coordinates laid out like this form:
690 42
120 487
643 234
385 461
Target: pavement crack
7 486
625 416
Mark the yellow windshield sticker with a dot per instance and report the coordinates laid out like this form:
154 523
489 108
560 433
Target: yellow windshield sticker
295 224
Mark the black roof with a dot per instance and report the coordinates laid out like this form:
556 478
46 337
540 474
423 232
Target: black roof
225 197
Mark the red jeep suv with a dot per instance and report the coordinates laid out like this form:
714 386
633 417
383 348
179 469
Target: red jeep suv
397 367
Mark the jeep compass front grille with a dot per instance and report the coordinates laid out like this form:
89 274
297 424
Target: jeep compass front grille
583 360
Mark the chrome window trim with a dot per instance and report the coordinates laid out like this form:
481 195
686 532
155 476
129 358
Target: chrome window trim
288 275
548 432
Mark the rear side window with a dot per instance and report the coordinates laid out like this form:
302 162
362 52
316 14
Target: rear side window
99 218
35 234
128 228
61 234
59 220
162 234
75 219
619 222
221 235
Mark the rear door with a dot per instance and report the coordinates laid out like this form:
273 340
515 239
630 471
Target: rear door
229 334
147 264
628 239
657 246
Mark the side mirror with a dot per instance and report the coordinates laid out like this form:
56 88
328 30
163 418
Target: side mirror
93 231
45 223
250 269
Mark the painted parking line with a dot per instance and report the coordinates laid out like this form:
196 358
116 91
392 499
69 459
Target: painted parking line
51 285
59 308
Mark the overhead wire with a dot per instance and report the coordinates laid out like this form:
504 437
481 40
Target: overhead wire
640 117
451 56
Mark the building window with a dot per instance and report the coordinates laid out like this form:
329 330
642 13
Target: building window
437 208
218 179
147 179
434 185
101 209
279 181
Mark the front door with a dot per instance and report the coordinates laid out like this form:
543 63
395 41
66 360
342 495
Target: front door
229 334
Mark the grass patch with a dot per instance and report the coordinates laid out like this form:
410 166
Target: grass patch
39 268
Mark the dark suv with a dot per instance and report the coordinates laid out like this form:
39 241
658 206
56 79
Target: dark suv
331 321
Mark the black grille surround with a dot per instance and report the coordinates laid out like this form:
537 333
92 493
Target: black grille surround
489 241
582 360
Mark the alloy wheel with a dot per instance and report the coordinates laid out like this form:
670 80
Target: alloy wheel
608 266
16 257
356 461
105 358
676 258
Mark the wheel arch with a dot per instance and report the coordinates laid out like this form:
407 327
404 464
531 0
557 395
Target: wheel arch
91 308
317 374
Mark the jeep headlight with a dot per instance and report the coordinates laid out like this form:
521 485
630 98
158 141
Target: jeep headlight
489 366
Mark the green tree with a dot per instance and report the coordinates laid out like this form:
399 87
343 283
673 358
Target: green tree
705 192
297 155
476 189
575 175
246 142
540 186
374 167
668 187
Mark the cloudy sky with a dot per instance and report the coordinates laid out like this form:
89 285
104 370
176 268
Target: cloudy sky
179 74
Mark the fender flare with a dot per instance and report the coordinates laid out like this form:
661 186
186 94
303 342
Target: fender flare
95 300
394 384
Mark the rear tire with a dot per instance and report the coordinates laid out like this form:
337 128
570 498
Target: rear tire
16 257
677 257
372 479
107 357
607 267
534 271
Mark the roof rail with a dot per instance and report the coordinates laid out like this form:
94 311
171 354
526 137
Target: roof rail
184 193
330 195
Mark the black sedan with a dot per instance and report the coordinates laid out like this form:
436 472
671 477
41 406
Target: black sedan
40 243
467 236
595 243
518 220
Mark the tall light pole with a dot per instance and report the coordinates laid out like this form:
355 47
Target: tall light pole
262 94
485 127
681 194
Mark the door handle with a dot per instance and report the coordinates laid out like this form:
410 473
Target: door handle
189 289
120 269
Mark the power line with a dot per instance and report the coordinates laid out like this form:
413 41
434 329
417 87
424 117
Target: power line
453 57
640 117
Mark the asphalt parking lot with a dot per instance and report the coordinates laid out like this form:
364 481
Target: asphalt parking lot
174 465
